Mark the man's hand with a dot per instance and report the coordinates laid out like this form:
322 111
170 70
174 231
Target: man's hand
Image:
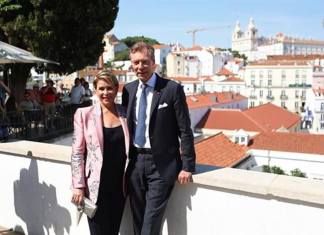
78 194
184 177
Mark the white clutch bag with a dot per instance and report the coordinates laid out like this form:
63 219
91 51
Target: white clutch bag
88 208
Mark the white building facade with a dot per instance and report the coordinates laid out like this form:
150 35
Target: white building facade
288 85
194 62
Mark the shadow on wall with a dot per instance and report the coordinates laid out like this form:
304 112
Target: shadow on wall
179 203
36 204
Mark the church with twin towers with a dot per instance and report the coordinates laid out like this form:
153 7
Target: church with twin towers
256 47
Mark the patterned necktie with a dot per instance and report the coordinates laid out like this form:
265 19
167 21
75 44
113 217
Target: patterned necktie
141 127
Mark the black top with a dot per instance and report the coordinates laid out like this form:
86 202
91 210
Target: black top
114 158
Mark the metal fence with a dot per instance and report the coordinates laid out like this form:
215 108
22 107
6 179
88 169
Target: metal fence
35 125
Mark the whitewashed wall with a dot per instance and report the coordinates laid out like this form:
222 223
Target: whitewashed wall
35 198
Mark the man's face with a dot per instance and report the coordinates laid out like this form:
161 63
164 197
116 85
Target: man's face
142 65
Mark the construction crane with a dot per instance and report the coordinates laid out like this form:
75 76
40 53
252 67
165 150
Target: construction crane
194 31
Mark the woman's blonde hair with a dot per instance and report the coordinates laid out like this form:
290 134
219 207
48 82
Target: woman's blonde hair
106 76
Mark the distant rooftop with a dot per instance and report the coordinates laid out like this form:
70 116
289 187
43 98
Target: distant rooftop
218 150
266 117
289 142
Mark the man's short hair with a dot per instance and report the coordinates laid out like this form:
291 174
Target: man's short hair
142 46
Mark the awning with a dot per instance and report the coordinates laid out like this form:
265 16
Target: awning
10 54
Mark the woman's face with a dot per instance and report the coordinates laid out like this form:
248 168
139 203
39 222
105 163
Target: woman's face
106 93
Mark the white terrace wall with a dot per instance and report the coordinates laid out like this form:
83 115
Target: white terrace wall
35 198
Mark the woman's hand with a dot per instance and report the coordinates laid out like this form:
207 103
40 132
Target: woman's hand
78 195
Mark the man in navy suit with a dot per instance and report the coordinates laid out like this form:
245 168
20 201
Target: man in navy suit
158 118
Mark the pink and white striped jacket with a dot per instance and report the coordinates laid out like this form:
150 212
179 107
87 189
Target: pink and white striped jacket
88 139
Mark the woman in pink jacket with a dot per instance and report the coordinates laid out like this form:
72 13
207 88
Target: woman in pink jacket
99 153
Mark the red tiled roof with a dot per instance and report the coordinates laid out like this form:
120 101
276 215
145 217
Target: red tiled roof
194 48
278 62
159 46
289 142
319 91
210 99
232 79
218 150
185 79
267 117
228 119
224 72
272 117
295 57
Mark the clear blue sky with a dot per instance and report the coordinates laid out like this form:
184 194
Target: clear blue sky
168 20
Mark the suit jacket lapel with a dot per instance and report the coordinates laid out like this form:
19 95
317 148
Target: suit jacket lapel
132 95
97 122
156 94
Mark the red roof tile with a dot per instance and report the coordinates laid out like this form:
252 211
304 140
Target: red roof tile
267 117
218 150
194 48
210 99
295 57
225 72
228 119
289 142
160 46
232 79
272 117
185 79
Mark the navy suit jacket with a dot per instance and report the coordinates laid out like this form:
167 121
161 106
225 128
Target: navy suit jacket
168 124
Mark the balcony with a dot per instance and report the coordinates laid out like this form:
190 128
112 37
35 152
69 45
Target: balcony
300 85
284 97
270 97
35 198
253 97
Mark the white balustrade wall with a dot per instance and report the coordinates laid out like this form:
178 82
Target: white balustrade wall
35 199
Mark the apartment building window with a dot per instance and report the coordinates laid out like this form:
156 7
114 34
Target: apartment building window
261 74
283 82
261 93
283 92
283 104
322 125
252 104
296 80
296 93
297 74
322 117
269 93
296 105
252 81
269 82
283 73
322 106
303 93
252 74
303 75
269 73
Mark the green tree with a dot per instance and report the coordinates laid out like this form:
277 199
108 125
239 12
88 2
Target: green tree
8 5
122 55
298 173
67 31
273 169
236 54
130 41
